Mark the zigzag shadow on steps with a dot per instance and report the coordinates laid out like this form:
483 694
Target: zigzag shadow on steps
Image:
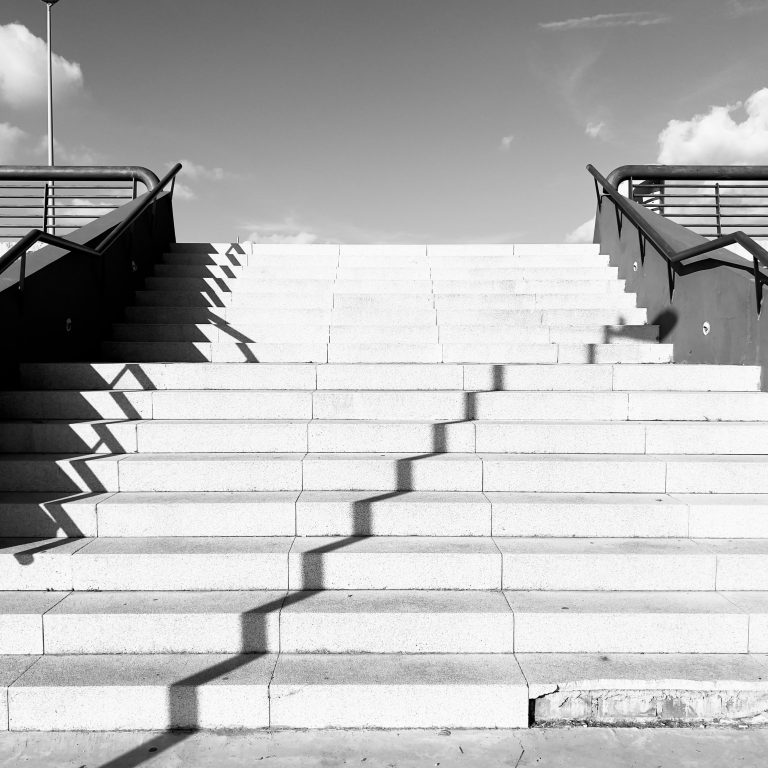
183 699
83 483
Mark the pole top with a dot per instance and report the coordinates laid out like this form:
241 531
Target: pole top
50 2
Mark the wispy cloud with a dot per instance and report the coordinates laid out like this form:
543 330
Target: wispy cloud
739 8
584 233
597 130
289 230
605 20
182 192
195 171
10 138
506 143
68 155
23 69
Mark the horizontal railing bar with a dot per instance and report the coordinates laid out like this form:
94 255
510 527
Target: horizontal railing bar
661 187
60 188
710 215
722 206
53 216
705 197
65 197
58 206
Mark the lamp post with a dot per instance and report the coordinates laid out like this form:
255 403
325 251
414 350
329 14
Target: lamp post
49 4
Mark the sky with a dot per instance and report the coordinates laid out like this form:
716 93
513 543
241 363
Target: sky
387 120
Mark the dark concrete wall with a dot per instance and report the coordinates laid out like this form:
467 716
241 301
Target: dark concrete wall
718 289
70 299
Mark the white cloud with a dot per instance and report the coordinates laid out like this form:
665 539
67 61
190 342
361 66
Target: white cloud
65 155
715 138
506 143
183 192
23 69
584 233
286 231
597 130
605 20
10 137
195 171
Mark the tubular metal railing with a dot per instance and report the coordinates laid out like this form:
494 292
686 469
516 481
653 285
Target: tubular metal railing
62 198
711 200
647 233
18 252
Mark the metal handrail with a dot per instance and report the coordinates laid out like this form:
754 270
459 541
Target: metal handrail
19 251
648 233
658 188
79 173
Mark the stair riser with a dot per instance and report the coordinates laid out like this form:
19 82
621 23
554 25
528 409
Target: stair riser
99 376
702 409
402 272
139 351
332 568
480 316
154 707
631 633
258 633
329 472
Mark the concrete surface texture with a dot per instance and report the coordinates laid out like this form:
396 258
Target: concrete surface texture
381 487
566 748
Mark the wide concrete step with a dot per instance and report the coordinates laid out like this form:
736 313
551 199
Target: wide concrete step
367 621
356 436
273 352
575 282
477 314
159 376
215 691
303 513
383 562
375 621
637 622
404 513
530 296
640 689
591 473
515 270
425 333
701 409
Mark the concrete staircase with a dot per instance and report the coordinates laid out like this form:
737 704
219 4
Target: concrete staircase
452 492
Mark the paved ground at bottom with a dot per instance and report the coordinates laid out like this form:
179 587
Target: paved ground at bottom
569 747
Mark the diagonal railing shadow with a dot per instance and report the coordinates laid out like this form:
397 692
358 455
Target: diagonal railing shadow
183 701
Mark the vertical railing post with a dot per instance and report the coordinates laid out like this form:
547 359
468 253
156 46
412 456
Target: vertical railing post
717 210
45 209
